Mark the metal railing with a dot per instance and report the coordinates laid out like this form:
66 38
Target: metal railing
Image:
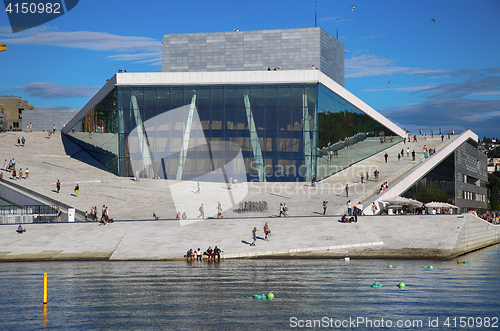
28 214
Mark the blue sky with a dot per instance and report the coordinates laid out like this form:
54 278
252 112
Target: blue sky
443 74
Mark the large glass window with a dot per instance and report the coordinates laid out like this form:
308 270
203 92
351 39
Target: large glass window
286 132
346 135
438 185
97 132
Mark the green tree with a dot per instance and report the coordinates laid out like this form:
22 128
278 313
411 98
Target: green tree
494 187
428 192
494 152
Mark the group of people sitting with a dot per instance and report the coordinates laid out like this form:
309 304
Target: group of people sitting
346 219
198 254
383 187
178 216
493 218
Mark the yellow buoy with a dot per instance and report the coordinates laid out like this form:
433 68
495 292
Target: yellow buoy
44 288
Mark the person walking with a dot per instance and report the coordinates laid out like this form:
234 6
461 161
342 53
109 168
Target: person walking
254 236
27 173
198 189
202 212
137 175
374 208
219 210
325 203
266 232
367 177
408 152
104 215
386 156
58 186
281 211
58 214
23 140
285 209
362 177
313 181
413 155
399 157
349 207
346 190
77 190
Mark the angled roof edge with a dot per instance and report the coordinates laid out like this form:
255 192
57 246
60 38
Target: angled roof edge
423 169
101 94
348 96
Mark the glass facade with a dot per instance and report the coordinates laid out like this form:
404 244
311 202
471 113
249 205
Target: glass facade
438 185
285 132
346 135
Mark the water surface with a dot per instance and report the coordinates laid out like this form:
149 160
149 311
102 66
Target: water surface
211 296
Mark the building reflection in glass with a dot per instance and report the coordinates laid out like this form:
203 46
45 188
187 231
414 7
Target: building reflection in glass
286 132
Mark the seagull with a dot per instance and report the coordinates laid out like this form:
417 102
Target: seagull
434 20
352 8
388 82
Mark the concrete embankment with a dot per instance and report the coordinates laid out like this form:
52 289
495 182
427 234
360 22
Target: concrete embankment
418 237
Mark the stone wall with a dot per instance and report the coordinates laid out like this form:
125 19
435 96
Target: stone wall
44 120
289 49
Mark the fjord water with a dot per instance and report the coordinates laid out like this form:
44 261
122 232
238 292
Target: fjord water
146 295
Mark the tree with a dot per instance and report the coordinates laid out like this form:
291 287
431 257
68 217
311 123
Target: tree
494 152
494 187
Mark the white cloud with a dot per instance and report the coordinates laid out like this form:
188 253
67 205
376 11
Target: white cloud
48 90
481 116
137 48
367 65
401 88
375 36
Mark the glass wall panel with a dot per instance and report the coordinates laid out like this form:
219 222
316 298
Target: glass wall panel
345 134
157 131
97 132
438 185
296 130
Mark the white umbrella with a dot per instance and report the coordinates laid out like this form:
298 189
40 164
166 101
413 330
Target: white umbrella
401 200
443 205
435 204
